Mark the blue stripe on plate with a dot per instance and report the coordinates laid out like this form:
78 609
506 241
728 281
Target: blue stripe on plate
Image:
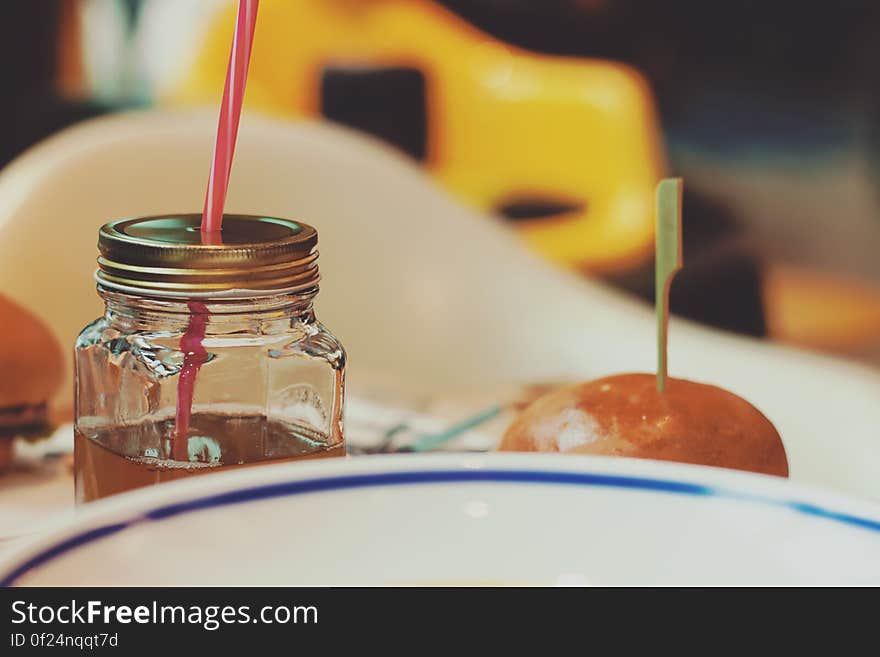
303 487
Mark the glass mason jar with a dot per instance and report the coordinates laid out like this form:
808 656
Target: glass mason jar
208 356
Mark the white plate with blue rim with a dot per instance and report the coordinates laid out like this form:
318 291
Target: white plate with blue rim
463 519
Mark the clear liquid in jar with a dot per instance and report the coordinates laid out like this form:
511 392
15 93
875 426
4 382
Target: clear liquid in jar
111 460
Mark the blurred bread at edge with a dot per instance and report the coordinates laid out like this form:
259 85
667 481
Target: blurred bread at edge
31 372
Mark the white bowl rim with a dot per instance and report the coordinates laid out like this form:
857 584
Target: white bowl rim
103 518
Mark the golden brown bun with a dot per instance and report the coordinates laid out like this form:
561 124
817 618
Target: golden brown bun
6 447
624 415
31 361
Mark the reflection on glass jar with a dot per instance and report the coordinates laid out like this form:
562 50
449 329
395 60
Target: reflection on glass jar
269 381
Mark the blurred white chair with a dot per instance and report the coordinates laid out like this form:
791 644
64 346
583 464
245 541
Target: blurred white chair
417 286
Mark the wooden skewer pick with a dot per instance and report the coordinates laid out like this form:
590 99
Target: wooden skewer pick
667 262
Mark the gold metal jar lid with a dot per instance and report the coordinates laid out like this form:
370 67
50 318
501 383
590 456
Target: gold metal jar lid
169 256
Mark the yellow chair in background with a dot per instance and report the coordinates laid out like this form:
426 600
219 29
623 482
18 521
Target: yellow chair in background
503 128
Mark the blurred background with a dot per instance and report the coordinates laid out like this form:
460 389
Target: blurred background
557 116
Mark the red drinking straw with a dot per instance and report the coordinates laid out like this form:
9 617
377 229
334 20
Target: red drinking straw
194 357
195 354
230 112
